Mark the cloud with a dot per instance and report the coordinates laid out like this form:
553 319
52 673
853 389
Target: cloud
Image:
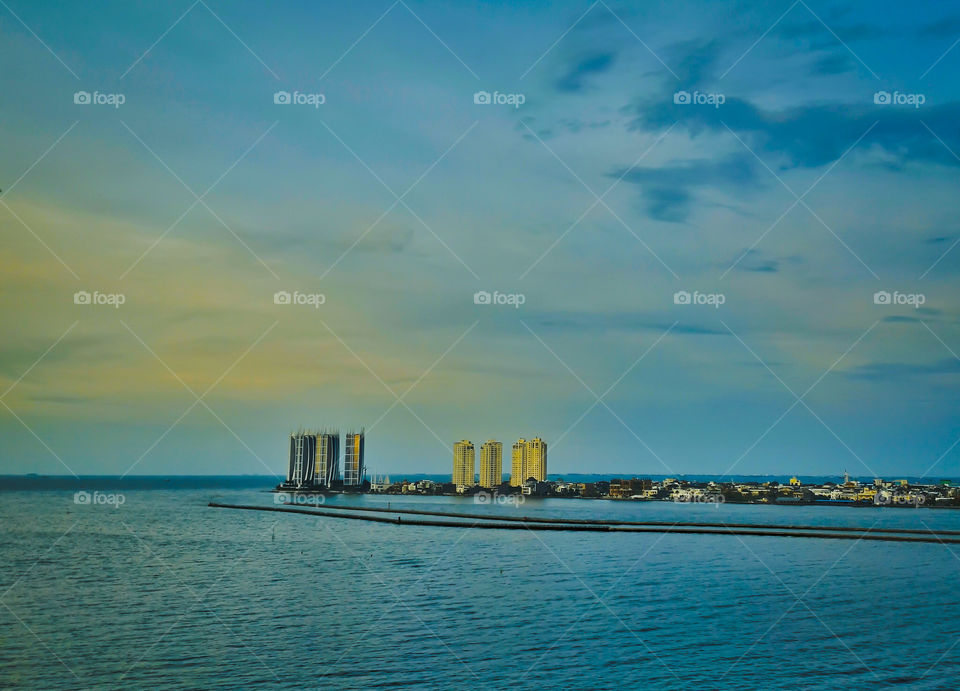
666 204
948 27
666 189
813 136
574 79
890 371
575 125
753 263
698 62
821 37
837 63
594 323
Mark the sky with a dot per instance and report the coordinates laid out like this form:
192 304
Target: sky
717 238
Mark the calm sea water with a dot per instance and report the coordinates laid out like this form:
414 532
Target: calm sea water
164 592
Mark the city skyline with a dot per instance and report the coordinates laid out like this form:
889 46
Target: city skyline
693 253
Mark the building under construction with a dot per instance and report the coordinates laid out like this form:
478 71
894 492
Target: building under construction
315 460
301 471
353 466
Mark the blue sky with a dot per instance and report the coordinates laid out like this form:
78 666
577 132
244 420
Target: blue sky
796 199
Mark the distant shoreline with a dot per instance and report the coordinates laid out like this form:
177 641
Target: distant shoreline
553 477
620 500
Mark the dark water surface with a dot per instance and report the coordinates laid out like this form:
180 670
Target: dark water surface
164 592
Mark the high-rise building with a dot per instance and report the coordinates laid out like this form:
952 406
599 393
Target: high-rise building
518 463
529 460
464 463
353 467
300 471
491 464
536 460
327 470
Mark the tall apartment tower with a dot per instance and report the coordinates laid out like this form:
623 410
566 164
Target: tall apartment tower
518 463
353 467
491 464
302 466
536 460
464 463
529 460
327 459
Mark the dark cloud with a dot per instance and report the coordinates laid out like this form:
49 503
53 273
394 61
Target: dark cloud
889 371
574 79
948 27
671 205
61 400
695 62
394 240
816 135
837 63
596 323
575 126
754 263
734 170
16 359
666 190
815 35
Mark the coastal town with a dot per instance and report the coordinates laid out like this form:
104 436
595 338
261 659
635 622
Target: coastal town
315 466
845 491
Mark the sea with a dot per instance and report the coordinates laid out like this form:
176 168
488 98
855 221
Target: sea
138 583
